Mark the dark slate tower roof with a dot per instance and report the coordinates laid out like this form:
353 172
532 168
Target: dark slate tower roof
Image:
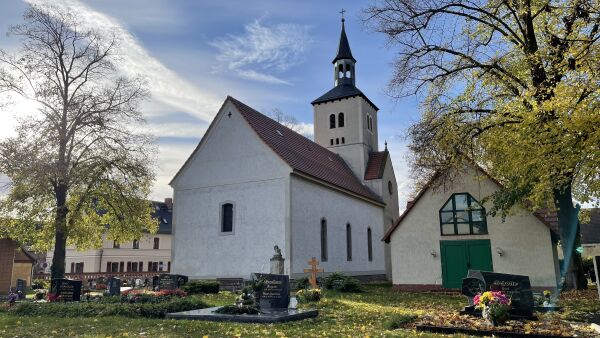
344 51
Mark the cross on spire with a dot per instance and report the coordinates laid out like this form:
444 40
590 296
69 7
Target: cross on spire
342 13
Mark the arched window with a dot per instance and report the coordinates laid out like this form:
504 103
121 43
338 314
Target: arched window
462 215
337 141
227 217
340 120
323 240
331 121
343 140
370 244
331 141
348 242
390 187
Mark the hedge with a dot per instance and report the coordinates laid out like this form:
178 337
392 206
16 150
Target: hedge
201 286
97 309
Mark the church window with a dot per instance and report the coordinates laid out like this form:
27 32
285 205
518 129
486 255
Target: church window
136 244
227 217
156 243
463 215
331 121
390 187
343 140
369 244
323 240
331 141
348 242
116 245
337 141
340 120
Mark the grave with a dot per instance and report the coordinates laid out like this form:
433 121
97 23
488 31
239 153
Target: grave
517 287
114 286
68 289
21 288
313 272
230 284
276 292
170 282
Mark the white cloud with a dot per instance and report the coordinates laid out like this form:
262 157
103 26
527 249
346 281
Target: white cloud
263 51
165 85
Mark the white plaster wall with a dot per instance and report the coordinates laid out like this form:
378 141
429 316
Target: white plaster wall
311 202
232 165
359 140
525 240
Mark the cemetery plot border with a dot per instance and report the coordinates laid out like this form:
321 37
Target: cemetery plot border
482 333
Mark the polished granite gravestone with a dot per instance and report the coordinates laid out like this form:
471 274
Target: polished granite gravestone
170 282
274 300
68 289
517 287
114 286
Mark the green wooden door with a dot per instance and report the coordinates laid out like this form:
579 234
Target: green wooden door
460 256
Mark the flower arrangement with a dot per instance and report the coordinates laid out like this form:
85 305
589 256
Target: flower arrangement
40 294
12 298
53 297
308 295
494 306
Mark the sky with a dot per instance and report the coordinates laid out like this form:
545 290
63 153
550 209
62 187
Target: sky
270 54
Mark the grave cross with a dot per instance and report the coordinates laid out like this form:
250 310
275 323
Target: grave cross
313 272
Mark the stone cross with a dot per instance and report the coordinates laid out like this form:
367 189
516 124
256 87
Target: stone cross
313 272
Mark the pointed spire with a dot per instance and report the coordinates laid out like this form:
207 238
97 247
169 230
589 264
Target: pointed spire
344 47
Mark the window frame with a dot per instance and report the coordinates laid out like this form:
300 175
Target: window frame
136 244
156 243
221 219
348 242
341 120
323 239
469 211
332 121
369 244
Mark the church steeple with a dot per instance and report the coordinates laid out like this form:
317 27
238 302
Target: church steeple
343 63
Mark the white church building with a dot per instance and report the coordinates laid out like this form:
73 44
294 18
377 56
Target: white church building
251 184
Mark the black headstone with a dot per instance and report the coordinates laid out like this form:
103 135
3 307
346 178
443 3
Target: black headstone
276 291
171 282
69 290
21 288
231 284
517 287
114 286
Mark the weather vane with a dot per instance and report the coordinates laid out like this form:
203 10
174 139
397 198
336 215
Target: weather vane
342 13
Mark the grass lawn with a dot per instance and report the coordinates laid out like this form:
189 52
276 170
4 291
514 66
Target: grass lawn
340 315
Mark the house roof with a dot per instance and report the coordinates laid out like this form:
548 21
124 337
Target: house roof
303 155
164 214
342 91
548 218
590 232
344 51
376 165
24 256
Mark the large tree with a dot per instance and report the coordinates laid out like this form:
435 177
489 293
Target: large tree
80 169
512 84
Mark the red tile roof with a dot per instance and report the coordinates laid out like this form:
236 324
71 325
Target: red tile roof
549 218
304 155
376 165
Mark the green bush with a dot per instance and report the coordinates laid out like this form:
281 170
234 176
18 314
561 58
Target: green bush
340 282
308 295
201 286
237 310
302 283
399 321
102 309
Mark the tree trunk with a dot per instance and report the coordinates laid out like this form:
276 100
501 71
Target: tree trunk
60 236
567 215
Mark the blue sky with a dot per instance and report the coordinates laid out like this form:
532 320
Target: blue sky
269 54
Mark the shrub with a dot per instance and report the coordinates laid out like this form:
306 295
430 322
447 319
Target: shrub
237 310
40 284
201 286
100 309
308 295
399 321
40 294
302 283
340 282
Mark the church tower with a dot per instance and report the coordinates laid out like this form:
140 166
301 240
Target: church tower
345 120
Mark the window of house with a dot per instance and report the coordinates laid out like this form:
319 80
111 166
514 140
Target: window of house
331 141
160 266
122 267
343 140
369 244
323 240
156 243
390 187
337 141
227 217
168 266
348 242
116 245
79 267
340 120
136 244
72 267
112 267
331 121
463 215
